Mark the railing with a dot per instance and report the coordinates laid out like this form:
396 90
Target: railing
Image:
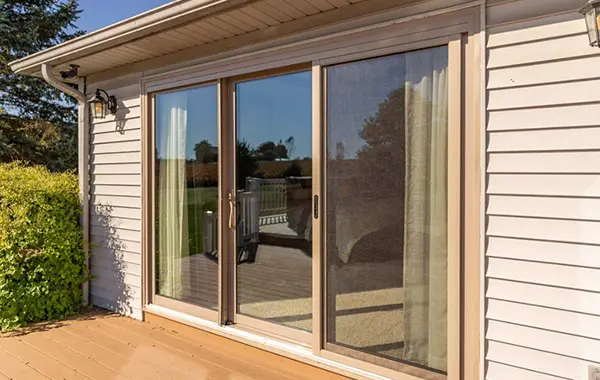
247 225
211 231
248 215
272 194
264 202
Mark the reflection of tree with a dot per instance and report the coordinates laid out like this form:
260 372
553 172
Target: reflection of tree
269 160
290 144
293 170
205 152
381 161
247 164
339 150
269 151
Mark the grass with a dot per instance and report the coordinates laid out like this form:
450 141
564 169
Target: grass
199 200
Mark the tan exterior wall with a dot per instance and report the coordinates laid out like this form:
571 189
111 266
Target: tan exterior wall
543 189
115 196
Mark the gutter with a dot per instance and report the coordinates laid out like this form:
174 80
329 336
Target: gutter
83 122
60 85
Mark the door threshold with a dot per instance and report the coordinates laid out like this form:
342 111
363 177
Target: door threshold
287 349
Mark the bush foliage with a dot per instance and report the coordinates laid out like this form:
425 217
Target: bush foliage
42 260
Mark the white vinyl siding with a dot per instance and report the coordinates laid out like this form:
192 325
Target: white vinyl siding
543 193
115 211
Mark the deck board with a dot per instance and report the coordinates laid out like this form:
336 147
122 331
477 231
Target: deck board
13 368
99 345
44 364
63 354
127 351
212 358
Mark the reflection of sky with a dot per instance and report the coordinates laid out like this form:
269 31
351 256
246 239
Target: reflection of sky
275 108
202 119
269 109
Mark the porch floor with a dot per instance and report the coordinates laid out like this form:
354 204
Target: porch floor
99 345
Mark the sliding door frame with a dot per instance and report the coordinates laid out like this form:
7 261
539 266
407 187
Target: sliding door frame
319 326
240 320
459 29
455 44
226 182
149 229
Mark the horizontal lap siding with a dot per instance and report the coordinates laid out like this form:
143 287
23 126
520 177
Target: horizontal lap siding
543 185
115 216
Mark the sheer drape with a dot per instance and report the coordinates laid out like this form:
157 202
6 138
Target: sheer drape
172 193
425 242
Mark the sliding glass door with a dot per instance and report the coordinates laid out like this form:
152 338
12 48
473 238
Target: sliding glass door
186 189
386 215
273 192
318 206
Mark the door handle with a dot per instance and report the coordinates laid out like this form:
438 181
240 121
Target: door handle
232 211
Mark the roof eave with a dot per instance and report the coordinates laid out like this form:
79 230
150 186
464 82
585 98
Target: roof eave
150 22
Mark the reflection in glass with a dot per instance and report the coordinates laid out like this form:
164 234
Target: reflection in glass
386 213
186 195
274 166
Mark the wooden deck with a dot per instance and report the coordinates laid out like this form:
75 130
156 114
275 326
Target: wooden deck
102 346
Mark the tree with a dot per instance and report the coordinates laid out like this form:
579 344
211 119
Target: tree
205 152
339 150
246 163
382 160
293 170
269 151
27 27
290 145
38 142
266 151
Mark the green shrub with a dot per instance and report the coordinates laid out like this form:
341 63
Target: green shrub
42 260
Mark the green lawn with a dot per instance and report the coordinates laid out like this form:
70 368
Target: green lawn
199 200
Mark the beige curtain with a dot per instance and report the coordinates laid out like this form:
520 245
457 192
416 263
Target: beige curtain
425 241
173 244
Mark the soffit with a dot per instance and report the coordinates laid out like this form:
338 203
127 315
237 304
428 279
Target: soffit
212 31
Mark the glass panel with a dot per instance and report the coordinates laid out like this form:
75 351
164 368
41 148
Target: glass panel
274 166
186 195
592 24
386 209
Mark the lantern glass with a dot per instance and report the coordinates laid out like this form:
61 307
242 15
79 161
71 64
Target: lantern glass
591 21
98 109
591 12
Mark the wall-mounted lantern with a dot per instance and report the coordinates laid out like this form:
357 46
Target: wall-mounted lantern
102 106
591 13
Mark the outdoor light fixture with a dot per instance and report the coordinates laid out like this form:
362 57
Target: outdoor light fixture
591 13
102 106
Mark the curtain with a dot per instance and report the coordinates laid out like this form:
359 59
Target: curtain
425 240
172 192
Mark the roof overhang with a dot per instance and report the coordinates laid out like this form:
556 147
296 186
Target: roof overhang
187 30
137 27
